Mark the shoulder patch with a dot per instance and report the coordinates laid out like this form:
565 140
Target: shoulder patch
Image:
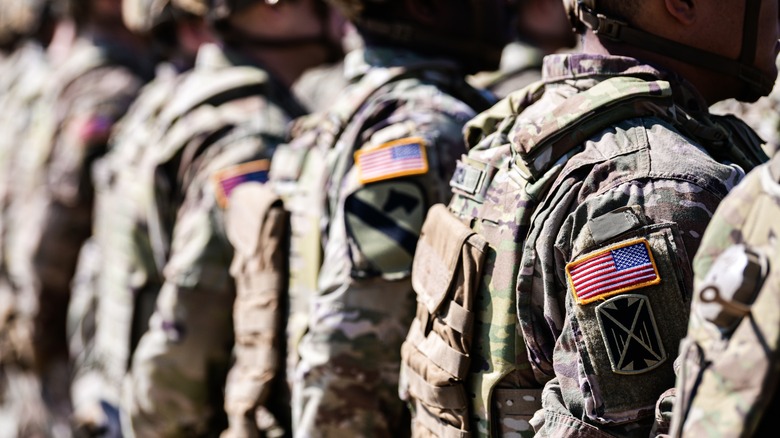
631 334
394 159
226 180
619 268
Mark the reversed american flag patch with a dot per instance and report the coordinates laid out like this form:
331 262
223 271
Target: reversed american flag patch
392 160
226 180
617 269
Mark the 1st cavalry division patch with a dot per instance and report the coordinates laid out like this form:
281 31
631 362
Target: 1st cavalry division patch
398 158
617 269
229 178
630 334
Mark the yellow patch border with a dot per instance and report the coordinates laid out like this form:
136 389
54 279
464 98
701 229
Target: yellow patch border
234 171
603 296
392 144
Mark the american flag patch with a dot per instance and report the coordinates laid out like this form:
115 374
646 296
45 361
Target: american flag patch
391 160
620 268
226 180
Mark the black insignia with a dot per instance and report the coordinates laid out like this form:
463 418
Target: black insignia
630 334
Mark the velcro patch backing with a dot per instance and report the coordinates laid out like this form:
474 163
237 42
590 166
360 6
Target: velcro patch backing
616 269
394 159
227 179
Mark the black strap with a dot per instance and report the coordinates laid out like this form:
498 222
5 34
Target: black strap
620 31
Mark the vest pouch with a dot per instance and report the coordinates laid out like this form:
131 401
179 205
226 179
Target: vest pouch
446 272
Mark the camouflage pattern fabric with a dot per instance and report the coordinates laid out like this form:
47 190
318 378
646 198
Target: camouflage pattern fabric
762 115
555 185
227 114
388 162
52 205
728 379
521 65
319 87
22 412
112 298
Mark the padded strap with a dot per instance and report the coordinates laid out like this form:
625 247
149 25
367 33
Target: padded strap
458 318
444 356
443 397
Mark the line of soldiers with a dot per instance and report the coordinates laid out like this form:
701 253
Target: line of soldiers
213 222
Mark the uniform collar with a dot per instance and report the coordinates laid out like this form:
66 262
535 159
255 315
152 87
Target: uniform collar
590 67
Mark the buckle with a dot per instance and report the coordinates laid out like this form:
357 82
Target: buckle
608 27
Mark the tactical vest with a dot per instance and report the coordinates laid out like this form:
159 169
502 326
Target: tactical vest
728 380
302 171
465 274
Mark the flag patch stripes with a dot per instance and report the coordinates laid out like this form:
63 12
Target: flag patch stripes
226 180
395 159
617 269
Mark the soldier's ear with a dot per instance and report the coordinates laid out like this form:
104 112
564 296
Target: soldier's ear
684 11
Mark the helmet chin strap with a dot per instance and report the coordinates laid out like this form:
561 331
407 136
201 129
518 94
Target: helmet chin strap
755 82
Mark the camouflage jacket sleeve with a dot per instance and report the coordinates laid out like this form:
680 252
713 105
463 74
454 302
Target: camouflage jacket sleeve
86 112
349 360
180 365
728 373
608 295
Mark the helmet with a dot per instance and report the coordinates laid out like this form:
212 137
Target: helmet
143 16
22 17
478 40
587 14
197 8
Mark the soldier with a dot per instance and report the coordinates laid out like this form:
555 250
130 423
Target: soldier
29 24
728 377
358 182
116 282
554 290
87 93
219 131
542 29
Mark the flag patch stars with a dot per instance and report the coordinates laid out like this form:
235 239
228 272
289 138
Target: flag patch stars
617 269
395 159
226 180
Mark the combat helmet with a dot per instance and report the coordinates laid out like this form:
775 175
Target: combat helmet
587 14
479 44
21 17
143 16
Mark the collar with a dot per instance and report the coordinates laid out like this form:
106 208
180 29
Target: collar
584 66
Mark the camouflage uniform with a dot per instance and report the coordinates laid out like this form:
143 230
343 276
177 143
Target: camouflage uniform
762 115
22 412
546 193
219 132
366 209
50 207
727 383
521 65
116 280
319 87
